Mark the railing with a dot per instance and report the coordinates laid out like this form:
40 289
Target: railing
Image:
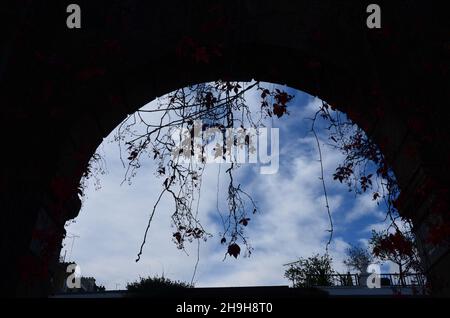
346 280
404 280
333 280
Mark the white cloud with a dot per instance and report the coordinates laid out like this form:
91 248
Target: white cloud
364 206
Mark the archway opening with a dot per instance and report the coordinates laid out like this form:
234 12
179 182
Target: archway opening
307 203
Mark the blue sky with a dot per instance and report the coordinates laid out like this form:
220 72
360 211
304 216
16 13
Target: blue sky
291 222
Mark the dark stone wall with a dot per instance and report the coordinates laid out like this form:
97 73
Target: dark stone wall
63 90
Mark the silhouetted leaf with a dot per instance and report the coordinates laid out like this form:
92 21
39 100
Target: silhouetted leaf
279 110
177 236
234 250
244 221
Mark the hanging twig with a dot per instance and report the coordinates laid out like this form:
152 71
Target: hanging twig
327 205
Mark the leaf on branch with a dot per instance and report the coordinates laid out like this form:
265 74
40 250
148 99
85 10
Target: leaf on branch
197 233
177 236
244 221
279 110
133 155
264 93
234 250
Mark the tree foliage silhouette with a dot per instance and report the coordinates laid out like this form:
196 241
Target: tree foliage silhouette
358 258
398 248
156 285
311 271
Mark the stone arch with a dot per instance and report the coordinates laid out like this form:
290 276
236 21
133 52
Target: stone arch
70 89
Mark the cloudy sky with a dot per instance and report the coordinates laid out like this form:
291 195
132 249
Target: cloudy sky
292 221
